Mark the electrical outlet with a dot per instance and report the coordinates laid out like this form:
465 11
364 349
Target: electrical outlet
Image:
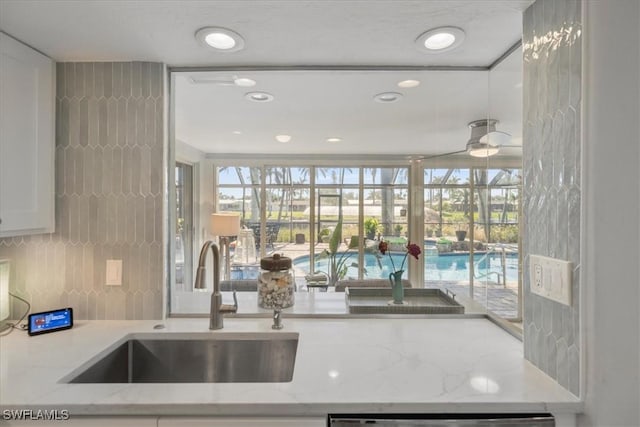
114 272
551 278
537 277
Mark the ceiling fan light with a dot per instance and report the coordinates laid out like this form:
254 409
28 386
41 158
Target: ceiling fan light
485 140
481 149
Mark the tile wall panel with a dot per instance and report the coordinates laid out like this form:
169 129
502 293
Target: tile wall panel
108 157
551 204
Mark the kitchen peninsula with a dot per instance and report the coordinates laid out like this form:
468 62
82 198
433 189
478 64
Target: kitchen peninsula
343 365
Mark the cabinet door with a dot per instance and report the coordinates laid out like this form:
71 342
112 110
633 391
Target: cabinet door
74 421
242 422
27 108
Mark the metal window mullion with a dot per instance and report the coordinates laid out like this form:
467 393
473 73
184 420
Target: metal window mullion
472 234
188 199
263 212
312 218
415 219
361 224
520 256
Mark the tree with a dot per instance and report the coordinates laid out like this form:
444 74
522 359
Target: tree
482 201
387 176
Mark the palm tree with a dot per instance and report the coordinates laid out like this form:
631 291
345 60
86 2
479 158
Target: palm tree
483 202
388 176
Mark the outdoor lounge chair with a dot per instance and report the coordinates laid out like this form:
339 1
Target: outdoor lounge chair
271 233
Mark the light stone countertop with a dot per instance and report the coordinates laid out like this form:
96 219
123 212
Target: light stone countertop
306 303
342 365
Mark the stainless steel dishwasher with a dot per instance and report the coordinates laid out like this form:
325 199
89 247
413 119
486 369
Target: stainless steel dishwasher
443 420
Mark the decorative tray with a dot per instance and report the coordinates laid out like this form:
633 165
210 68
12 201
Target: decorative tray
416 301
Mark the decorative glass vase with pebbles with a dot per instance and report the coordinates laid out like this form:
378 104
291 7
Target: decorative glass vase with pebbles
276 283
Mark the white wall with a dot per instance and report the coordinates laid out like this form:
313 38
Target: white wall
611 210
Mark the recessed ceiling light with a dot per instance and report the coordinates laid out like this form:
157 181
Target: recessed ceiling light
258 96
244 82
221 39
283 138
386 97
409 83
440 39
237 132
334 139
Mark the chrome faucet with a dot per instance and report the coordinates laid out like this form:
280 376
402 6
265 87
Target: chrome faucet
277 319
217 308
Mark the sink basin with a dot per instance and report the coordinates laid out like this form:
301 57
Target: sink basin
193 358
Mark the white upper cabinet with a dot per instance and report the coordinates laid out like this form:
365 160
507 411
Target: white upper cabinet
27 116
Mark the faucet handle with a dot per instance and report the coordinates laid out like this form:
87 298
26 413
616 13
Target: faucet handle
235 301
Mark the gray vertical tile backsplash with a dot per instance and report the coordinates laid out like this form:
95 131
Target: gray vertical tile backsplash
108 145
552 83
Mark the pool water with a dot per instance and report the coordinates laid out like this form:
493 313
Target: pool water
449 267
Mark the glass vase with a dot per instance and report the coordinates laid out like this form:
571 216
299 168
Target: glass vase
397 290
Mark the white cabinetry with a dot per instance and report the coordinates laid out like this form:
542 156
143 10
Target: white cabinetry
242 422
175 422
27 112
87 422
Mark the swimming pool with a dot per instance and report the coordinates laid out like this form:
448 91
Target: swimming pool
444 267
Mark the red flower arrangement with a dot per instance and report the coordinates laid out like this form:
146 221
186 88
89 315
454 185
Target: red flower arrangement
412 249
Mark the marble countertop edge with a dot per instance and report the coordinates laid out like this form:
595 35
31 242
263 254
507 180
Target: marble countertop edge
307 409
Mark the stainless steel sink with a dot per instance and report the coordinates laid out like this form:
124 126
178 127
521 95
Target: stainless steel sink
194 358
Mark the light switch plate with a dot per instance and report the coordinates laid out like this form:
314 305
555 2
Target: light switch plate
114 272
551 278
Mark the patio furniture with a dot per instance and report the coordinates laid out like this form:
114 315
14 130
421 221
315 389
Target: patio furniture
318 281
271 232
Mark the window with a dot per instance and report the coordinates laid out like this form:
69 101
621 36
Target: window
184 226
471 225
303 206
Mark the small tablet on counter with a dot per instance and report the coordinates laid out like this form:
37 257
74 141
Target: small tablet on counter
50 321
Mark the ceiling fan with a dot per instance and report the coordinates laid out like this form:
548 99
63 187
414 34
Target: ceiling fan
485 140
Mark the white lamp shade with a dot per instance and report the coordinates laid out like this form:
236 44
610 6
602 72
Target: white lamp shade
225 224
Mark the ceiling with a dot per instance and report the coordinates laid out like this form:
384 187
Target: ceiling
308 105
